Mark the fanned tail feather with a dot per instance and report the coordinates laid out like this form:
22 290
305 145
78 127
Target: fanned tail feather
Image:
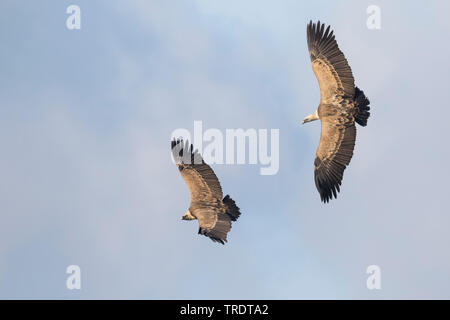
232 208
362 105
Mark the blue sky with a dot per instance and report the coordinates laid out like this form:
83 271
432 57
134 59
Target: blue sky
87 179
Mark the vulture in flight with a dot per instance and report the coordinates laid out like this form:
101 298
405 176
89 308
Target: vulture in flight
341 105
213 212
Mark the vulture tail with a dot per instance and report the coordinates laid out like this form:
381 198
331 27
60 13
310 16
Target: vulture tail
362 105
232 208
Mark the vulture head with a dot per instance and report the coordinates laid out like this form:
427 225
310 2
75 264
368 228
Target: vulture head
311 117
188 216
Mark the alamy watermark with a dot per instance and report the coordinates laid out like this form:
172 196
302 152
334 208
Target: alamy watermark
232 149
374 19
74 280
73 22
374 280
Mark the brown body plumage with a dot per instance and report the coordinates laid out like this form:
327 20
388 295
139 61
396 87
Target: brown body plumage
213 213
341 105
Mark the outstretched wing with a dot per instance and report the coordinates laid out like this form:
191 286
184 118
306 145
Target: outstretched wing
202 182
329 64
337 141
213 224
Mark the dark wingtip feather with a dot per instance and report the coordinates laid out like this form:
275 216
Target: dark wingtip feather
179 153
320 39
211 236
175 142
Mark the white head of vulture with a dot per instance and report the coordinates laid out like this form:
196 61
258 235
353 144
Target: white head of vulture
341 105
213 213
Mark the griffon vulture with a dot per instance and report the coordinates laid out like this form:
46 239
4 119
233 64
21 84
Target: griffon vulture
341 105
213 213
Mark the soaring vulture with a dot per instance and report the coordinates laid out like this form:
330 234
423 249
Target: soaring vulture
341 105
213 213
